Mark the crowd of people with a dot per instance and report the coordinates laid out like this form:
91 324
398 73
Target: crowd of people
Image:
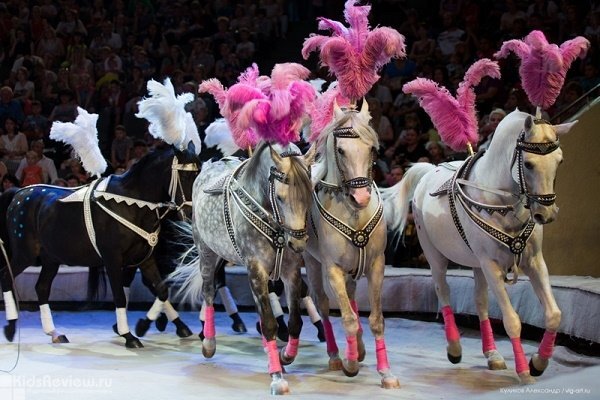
98 55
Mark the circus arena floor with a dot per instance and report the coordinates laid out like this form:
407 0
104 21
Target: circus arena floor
96 365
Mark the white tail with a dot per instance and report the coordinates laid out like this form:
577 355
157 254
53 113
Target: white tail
186 277
396 199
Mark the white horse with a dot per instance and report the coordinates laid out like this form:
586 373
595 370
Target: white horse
347 236
488 213
252 213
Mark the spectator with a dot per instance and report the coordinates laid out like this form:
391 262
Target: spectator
380 123
490 122
36 125
50 44
120 153
65 110
423 48
49 172
140 149
450 36
9 107
13 145
32 174
24 89
395 175
9 181
436 152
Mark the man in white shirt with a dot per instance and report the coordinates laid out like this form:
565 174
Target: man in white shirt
48 167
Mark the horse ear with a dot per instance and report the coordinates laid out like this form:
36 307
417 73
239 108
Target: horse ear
310 155
337 111
364 110
528 123
564 128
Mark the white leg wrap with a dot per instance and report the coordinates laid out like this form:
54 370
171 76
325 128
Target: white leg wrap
10 306
126 290
170 311
228 300
275 304
311 309
202 314
155 310
47 321
122 325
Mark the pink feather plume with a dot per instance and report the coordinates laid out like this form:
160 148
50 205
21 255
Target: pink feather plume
355 54
322 111
454 118
544 65
269 108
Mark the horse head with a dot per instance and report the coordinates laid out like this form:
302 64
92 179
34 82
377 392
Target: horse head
290 192
535 164
184 170
352 145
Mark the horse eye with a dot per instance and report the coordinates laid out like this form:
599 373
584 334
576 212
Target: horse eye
528 165
279 198
340 151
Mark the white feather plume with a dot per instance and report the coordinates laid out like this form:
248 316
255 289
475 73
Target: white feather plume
218 134
82 135
191 133
166 112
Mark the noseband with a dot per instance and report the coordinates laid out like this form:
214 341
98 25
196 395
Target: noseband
542 148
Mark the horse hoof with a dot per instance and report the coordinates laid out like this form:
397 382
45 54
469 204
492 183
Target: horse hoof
10 330
335 364
350 369
279 386
60 339
454 351
542 364
209 346
115 330
526 378
390 382
161 322
182 330
238 325
142 326
495 360
131 342
284 359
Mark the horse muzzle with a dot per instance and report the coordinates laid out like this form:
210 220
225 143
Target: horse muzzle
543 214
296 239
360 197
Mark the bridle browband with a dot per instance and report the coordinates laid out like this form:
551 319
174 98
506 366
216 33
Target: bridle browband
542 148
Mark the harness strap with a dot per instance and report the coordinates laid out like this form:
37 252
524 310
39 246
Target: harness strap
151 238
360 237
87 214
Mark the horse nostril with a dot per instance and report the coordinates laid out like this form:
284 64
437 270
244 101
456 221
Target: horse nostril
539 218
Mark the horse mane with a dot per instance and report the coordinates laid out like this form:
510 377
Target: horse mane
325 141
132 175
256 172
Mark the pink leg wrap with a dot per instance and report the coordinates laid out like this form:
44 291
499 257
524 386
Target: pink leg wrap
330 337
292 347
209 323
452 334
351 348
354 307
521 364
547 345
487 336
381 353
273 353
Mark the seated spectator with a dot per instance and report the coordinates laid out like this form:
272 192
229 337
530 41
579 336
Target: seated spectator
140 149
47 165
24 89
66 109
32 174
13 145
489 124
408 149
9 107
120 153
436 152
35 126
9 181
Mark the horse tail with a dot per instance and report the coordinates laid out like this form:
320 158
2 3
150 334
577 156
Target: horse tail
186 277
396 199
96 284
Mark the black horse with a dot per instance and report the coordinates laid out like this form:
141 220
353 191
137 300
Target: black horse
115 226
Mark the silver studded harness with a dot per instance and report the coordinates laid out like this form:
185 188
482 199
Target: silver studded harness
271 226
454 188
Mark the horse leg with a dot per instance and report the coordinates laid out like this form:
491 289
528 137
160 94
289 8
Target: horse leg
42 289
227 299
315 280
293 288
208 263
375 280
337 279
10 306
439 266
537 271
494 275
494 358
311 310
351 289
115 277
260 291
